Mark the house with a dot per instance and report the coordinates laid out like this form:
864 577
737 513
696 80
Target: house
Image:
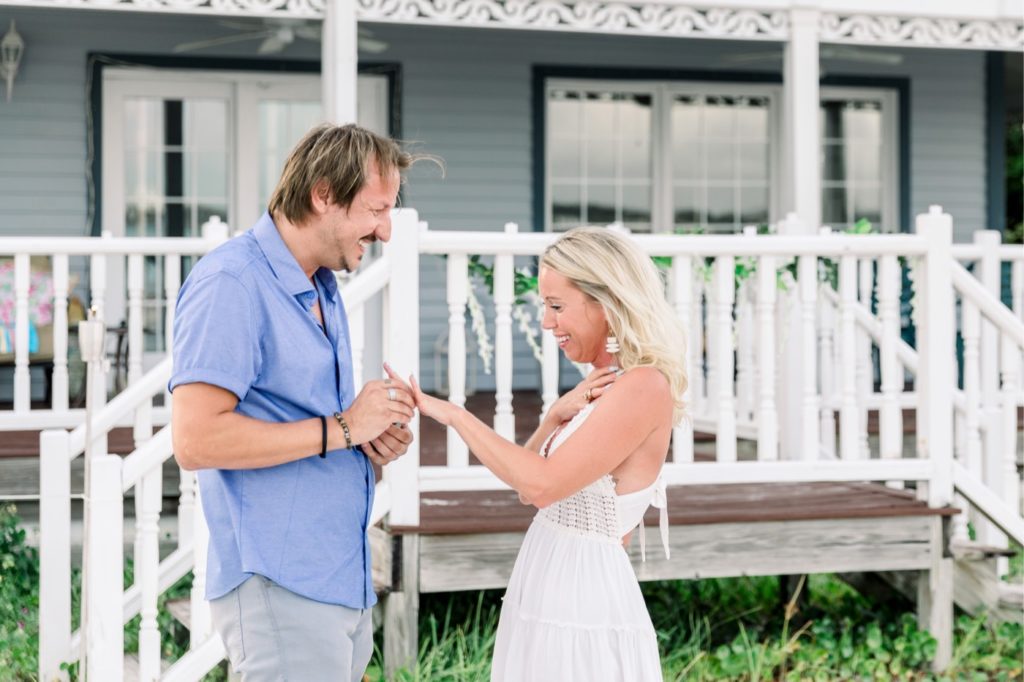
146 120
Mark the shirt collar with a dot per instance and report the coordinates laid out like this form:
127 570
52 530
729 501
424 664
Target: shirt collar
281 260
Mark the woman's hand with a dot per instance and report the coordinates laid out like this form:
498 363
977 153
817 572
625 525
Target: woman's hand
567 407
429 406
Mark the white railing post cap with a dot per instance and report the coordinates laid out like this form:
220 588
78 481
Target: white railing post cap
215 229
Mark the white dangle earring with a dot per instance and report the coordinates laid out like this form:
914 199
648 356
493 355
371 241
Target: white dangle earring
612 345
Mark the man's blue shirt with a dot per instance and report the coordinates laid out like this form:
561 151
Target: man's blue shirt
244 323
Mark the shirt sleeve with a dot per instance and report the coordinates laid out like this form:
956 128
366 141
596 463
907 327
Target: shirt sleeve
216 335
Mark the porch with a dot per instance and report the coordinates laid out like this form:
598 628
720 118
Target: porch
766 462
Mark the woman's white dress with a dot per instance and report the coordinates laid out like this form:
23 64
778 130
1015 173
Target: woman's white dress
573 611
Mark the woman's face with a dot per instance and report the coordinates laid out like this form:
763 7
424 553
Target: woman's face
577 321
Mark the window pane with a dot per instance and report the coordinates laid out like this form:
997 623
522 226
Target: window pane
752 118
833 207
720 118
754 161
601 158
834 162
866 161
565 157
565 206
211 174
721 208
721 161
600 204
753 205
636 207
686 158
867 203
564 112
636 158
687 207
599 116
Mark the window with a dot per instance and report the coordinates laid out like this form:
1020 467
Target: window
664 156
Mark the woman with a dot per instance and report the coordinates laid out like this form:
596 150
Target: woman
573 609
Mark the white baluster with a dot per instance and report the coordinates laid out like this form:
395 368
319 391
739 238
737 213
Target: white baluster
172 285
186 506
135 294
59 382
147 568
890 415
712 347
54 554
1017 298
744 352
200 623
98 283
865 364
724 293
357 338
697 346
97 302
807 273
972 444
504 419
827 370
1009 488
849 415
458 293
767 417
22 379
989 274
105 627
682 297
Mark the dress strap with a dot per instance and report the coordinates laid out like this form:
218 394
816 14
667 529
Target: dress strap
660 501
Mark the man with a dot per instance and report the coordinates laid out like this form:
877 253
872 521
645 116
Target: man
265 408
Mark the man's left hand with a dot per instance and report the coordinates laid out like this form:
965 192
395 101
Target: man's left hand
388 446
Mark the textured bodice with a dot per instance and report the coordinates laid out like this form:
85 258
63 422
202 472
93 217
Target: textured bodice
597 511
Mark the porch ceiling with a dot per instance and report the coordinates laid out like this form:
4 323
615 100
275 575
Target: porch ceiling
990 25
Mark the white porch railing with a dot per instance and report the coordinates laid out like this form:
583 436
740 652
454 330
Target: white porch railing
136 278
733 393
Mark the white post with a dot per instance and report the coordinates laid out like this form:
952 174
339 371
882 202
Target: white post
548 370
697 345
849 417
682 297
504 295
801 110
59 383
357 336
807 272
767 416
339 61
1009 482
403 333
105 627
827 369
724 292
147 568
172 285
54 554
992 471
935 350
135 341
186 506
789 336
744 351
458 292
971 421
22 379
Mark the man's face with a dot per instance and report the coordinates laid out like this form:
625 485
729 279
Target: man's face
348 232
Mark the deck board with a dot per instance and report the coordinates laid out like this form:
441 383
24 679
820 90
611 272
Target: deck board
456 513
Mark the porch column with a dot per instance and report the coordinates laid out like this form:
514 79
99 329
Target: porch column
339 61
801 204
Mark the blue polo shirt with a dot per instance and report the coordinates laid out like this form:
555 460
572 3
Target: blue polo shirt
244 323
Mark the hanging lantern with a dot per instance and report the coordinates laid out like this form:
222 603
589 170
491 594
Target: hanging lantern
12 47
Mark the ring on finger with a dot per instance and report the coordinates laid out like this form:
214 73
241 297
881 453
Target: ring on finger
391 394
587 395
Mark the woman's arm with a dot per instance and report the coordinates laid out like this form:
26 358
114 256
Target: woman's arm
622 420
567 406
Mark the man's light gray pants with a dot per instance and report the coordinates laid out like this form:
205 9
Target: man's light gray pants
274 635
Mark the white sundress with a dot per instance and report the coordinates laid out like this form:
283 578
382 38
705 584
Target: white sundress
573 611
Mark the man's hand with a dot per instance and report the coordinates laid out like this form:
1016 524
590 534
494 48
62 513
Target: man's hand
378 406
388 446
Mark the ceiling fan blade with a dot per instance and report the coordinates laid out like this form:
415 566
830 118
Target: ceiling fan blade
214 42
272 45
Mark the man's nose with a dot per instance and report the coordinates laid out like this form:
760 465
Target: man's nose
383 231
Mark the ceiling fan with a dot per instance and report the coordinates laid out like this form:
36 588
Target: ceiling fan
277 34
849 53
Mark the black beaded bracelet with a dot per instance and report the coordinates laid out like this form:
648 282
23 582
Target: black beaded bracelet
323 436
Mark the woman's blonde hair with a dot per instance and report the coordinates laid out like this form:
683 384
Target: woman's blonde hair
611 269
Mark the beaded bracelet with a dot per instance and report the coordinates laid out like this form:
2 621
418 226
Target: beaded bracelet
344 429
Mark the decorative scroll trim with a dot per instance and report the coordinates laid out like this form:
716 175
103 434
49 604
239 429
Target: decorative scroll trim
600 16
299 9
919 31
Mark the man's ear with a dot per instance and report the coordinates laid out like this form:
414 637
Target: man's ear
320 197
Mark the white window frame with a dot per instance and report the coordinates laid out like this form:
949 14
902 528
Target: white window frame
662 92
